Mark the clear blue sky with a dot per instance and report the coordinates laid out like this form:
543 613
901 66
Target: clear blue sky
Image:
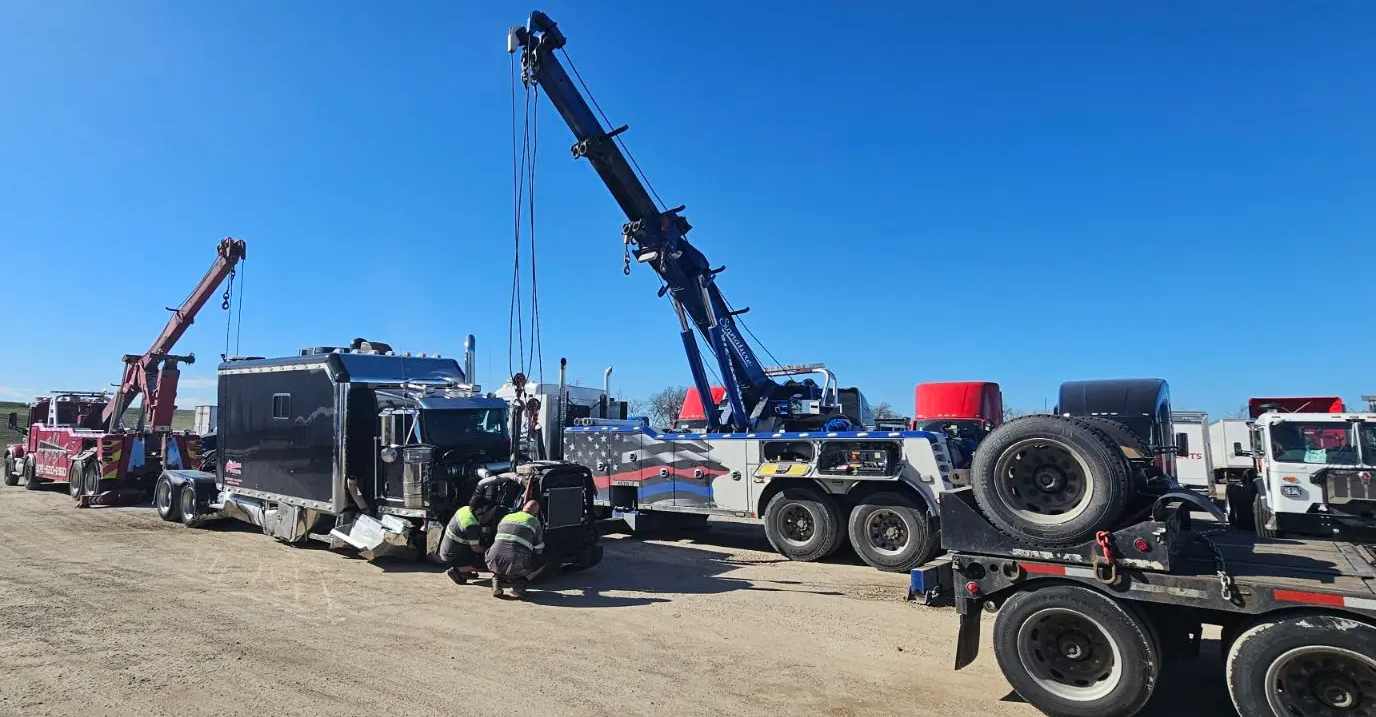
1025 192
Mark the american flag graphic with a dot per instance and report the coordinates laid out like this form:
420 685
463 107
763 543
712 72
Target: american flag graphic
624 458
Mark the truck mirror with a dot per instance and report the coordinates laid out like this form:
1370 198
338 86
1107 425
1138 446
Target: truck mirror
1237 450
13 422
1182 445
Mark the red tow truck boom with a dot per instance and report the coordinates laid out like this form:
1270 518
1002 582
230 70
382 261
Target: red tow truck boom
154 373
79 438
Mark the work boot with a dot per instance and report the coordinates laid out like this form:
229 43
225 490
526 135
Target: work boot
519 590
456 576
496 587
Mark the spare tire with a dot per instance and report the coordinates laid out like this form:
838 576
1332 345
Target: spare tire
1050 480
1134 447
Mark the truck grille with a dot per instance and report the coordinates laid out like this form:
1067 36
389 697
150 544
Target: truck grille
1345 486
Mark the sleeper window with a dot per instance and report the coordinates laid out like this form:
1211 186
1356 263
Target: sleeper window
281 405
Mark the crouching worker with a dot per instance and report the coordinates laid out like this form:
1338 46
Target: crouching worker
517 552
461 549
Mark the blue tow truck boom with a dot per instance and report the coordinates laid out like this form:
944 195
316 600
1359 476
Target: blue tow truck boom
754 400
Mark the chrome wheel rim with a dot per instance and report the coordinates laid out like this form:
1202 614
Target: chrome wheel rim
1044 481
162 498
1322 681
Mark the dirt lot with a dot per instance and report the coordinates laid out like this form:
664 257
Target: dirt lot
113 612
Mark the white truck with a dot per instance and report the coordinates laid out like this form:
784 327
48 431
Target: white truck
1313 476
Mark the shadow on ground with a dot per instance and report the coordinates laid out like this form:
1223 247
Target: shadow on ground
1192 687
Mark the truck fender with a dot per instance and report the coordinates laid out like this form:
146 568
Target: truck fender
84 456
1158 509
17 451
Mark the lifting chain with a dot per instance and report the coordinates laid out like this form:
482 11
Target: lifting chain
626 268
1105 567
224 298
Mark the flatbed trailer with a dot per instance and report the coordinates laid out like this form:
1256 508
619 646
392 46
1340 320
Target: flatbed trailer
1086 629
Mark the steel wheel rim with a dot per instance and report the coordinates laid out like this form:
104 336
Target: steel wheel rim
1322 681
1044 481
1070 655
188 503
888 532
796 524
162 498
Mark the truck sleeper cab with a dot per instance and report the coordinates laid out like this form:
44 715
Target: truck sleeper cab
357 447
812 490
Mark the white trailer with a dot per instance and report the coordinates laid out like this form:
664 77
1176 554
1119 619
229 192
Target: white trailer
1230 446
1193 467
204 420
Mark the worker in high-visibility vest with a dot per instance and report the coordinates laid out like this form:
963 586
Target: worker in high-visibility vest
461 548
517 550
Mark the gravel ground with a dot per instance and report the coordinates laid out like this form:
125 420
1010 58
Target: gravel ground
110 611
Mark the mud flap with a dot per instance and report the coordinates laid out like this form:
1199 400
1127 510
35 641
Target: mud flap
967 642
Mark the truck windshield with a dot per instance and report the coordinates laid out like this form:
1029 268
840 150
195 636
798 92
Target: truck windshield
452 427
967 428
1367 431
1327 442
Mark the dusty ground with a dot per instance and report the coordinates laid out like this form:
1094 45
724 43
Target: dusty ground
113 612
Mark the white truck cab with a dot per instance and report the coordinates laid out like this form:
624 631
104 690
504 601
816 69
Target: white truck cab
1313 475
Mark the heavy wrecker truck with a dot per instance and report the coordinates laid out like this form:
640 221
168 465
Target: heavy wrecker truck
778 446
80 438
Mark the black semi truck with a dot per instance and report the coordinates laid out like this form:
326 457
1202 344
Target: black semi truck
364 448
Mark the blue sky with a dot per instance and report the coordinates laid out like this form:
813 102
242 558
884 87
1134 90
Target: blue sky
1015 191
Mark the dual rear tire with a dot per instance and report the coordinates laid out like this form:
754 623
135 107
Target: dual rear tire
177 502
888 530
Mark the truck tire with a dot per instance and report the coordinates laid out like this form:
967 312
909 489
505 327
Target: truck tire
1238 501
31 481
165 499
1134 447
90 479
803 524
11 478
187 507
74 479
892 532
1050 480
1304 665
1071 651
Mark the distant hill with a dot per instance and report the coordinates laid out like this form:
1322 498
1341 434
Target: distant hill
181 420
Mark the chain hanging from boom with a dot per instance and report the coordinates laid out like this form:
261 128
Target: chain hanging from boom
528 350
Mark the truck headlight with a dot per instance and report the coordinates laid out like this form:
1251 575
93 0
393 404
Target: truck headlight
1292 491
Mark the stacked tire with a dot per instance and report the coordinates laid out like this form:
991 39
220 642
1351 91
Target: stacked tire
1056 481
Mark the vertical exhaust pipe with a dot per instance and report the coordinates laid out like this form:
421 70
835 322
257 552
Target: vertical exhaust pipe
606 391
470 359
560 412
